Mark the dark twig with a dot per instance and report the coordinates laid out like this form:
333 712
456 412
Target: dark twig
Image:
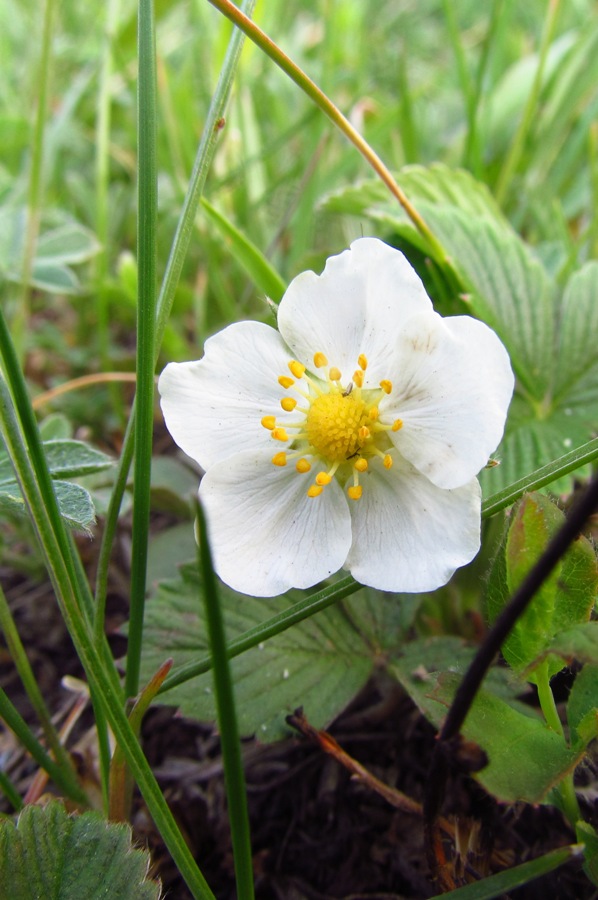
482 661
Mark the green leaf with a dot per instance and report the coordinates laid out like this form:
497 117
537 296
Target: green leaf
173 486
69 243
582 705
587 834
51 854
74 502
566 596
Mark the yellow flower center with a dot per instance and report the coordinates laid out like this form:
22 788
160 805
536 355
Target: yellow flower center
339 425
333 424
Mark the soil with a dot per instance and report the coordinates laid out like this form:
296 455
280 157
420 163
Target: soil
318 833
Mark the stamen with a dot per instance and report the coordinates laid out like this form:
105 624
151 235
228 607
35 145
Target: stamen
279 434
364 432
297 368
285 382
334 374
280 459
323 478
314 490
302 465
361 464
355 492
397 425
269 422
362 361
288 404
387 461
320 360
386 385
358 377
374 413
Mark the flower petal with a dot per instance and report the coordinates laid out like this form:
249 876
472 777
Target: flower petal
408 534
213 406
357 305
266 534
452 387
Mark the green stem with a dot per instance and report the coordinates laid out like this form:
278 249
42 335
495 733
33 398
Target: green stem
10 792
515 153
63 777
566 788
23 667
336 117
21 313
146 319
227 720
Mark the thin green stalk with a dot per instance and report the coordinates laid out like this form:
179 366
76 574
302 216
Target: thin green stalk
20 315
465 82
10 792
172 274
146 320
548 706
104 688
315 603
515 153
335 115
63 777
227 720
25 672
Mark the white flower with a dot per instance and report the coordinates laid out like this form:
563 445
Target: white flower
351 439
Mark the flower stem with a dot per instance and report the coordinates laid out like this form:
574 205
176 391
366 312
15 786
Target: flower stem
315 94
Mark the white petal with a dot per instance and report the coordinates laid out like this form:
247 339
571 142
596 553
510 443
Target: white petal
408 534
357 305
451 387
266 534
213 406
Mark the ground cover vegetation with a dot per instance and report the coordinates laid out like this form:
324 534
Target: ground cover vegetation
309 726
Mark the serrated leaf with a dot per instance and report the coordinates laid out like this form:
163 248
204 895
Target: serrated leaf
74 502
565 597
51 854
320 663
582 705
68 243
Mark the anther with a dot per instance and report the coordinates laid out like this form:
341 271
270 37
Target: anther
297 368
358 377
285 382
314 490
397 425
355 491
373 413
361 464
302 466
320 360
280 459
279 434
362 361
387 461
288 404
334 374
386 386
364 432
269 422
323 478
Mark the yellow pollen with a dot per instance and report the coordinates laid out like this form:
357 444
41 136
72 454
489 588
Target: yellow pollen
364 432
355 492
288 404
286 382
374 413
269 422
323 478
280 459
297 368
334 374
362 361
302 466
314 490
361 464
334 425
388 461
358 377
279 434
386 386
397 425
320 360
